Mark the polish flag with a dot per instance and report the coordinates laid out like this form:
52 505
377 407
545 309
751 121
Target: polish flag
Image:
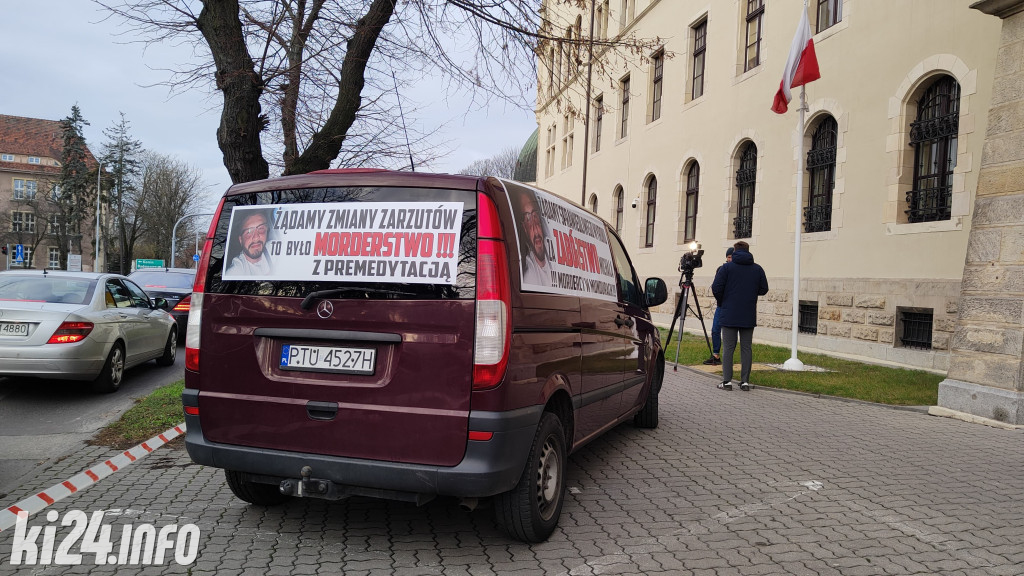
801 66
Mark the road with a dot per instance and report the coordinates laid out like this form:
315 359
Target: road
41 420
730 484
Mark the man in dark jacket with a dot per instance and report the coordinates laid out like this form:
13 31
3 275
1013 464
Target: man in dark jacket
736 287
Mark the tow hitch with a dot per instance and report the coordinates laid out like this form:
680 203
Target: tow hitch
309 487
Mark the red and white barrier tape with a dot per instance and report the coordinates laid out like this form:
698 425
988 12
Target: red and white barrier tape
83 480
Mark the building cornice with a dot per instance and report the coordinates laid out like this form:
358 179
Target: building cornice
1001 8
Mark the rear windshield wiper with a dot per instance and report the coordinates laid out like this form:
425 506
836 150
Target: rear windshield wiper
308 300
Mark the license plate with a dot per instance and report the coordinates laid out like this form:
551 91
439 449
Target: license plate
328 359
13 329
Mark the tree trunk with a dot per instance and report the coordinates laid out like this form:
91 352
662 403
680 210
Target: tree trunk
241 120
326 143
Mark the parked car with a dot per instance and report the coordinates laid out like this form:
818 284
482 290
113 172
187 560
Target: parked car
173 285
80 326
408 335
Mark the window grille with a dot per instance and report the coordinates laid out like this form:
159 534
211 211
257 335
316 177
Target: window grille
808 320
916 331
692 190
934 139
700 36
746 178
598 122
652 200
830 13
821 163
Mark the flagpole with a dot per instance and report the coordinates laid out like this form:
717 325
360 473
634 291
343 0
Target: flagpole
794 363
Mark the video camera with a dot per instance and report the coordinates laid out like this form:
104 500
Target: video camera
691 259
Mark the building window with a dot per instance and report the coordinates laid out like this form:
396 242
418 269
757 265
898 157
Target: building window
549 152
746 178
628 12
598 121
830 13
692 189
652 203
568 126
7 157
551 72
53 226
933 135
23 222
33 159
914 327
54 260
657 75
25 189
593 203
755 17
700 39
619 199
821 164
808 321
602 20
624 87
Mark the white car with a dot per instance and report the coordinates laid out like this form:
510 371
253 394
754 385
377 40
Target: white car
80 326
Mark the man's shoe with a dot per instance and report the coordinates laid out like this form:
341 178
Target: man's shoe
744 386
712 361
725 386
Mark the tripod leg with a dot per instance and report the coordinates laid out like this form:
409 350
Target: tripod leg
671 327
683 305
702 325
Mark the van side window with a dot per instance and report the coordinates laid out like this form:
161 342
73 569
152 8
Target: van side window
629 287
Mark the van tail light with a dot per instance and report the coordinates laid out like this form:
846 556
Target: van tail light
493 299
69 332
183 304
195 305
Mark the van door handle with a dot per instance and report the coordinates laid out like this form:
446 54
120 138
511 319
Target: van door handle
322 410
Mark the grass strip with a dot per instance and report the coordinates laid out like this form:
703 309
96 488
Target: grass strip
150 416
845 378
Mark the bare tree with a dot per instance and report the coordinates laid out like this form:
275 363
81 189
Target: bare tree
315 79
168 189
502 164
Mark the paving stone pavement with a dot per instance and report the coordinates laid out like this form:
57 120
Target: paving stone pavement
731 483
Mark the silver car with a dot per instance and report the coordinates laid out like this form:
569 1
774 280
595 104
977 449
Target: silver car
80 326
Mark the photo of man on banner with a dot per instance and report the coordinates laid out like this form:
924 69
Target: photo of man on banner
533 235
247 254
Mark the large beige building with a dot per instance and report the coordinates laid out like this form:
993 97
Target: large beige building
683 146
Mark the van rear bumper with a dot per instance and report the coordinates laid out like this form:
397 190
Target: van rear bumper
488 468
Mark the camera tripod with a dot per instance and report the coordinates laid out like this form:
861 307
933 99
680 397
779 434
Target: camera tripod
686 283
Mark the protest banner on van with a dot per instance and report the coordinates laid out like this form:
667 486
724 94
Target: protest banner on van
399 242
563 249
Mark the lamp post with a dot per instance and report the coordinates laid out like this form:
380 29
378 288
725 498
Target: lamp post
96 259
174 239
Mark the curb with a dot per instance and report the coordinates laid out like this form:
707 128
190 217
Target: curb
85 479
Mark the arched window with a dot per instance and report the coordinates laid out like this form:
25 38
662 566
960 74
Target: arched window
619 198
821 164
652 201
593 203
692 189
746 177
933 135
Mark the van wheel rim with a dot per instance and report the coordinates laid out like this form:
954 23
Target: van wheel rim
548 479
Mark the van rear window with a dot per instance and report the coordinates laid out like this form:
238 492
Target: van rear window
373 243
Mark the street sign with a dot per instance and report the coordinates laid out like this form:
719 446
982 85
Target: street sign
74 262
195 257
148 263
19 253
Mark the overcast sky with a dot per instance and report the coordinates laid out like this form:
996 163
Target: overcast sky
58 53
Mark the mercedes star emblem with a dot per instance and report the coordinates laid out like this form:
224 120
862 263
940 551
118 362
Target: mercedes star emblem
324 309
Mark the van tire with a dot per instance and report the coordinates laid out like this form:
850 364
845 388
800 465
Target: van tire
170 349
647 417
252 492
530 510
112 373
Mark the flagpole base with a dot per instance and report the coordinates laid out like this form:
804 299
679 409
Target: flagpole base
793 365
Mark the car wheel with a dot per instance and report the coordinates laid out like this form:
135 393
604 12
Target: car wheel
647 417
110 377
170 349
530 511
252 492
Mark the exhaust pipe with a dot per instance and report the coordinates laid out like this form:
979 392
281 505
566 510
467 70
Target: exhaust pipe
468 504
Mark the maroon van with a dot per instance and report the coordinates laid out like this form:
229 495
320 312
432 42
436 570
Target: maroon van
406 335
